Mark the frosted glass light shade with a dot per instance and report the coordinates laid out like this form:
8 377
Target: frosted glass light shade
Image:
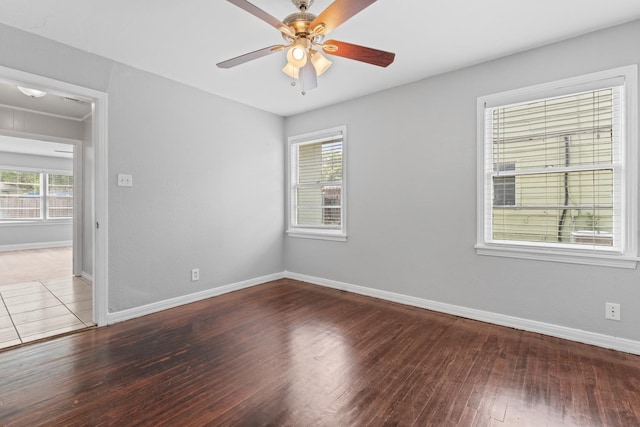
33 93
291 71
320 63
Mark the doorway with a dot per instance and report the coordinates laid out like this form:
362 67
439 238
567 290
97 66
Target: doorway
41 288
89 232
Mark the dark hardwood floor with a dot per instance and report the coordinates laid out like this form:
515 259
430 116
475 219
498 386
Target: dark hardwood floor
288 353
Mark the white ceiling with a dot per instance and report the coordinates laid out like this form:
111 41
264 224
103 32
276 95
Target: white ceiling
184 40
10 144
58 104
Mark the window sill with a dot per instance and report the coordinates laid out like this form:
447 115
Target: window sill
318 235
35 223
555 255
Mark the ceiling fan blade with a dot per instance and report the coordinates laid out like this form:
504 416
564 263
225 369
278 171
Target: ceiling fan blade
338 12
250 56
259 13
358 53
308 76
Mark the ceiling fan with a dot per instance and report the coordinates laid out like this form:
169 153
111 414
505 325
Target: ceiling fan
304 34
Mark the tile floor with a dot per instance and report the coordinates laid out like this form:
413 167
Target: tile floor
35 310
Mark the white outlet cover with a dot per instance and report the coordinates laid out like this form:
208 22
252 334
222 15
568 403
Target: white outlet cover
125 180
612 311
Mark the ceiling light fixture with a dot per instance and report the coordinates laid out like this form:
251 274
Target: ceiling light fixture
30 92
320 63
298 58
291 71
297 55
303 33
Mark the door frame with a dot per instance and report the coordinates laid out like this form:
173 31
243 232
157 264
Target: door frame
99 101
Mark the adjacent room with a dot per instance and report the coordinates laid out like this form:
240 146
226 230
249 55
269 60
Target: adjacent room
317 212
45 280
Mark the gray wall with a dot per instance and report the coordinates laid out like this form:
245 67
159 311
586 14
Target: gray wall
412 196
207 176
14 236
39 124
207 190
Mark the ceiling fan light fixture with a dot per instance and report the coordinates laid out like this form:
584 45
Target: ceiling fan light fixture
297 56
308 77
320 63
291 71
33 93
297 53
304 35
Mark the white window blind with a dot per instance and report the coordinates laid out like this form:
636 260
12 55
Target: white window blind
566 152
317 183
556 170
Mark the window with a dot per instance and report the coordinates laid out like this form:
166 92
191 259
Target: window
59 196
558 171
504 187
22 196
317 185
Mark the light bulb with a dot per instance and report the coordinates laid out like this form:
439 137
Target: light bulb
297 53
297 56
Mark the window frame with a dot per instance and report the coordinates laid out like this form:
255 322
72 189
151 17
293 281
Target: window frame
44 197
311 232
627 256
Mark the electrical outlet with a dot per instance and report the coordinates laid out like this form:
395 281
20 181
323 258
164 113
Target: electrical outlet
125 180
612 311
195 274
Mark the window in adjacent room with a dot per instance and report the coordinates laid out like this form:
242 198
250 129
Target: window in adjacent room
27 196
59 196
558 170
317 185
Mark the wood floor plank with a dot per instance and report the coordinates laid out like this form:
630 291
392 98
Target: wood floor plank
292 354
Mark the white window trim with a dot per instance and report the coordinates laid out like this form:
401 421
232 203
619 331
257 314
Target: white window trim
628 257
339 235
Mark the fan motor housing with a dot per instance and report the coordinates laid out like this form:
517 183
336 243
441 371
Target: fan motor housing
299 22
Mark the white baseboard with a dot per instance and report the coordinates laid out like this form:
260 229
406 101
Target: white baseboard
601 340
121 316
39 245
86 276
